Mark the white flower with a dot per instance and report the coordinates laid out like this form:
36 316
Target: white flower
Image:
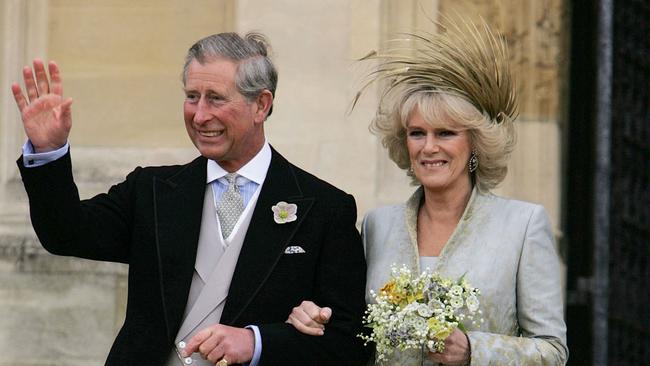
420 327
284 212
472 303
424 311
457 302
412 307
437 306
456 290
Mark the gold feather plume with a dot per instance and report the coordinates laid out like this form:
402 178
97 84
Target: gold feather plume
461 58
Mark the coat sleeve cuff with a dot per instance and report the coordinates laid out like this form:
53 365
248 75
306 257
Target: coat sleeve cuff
32 159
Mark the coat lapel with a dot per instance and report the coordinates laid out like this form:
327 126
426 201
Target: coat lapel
265 240
178 203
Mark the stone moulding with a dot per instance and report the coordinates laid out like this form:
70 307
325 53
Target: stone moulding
25 254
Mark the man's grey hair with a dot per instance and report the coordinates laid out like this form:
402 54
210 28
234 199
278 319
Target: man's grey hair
255 71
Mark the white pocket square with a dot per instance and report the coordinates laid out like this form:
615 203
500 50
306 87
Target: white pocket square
294 249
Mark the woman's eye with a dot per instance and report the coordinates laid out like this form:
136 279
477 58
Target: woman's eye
416 133
446 133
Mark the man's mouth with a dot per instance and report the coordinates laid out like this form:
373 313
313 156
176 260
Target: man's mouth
210 133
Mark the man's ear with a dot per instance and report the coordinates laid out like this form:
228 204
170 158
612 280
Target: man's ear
263 104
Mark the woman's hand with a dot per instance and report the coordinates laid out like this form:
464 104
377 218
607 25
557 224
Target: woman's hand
45 113
457 350
309 318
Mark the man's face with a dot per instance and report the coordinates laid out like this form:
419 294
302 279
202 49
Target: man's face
222 124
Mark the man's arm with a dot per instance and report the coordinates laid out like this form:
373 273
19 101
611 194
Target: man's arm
97 229
64 224
340 285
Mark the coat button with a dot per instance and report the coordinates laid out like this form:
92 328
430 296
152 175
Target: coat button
181 344
187 360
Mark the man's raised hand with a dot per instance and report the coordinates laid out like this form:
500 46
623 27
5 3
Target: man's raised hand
46 115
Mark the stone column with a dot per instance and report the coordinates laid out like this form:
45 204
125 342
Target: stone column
18 40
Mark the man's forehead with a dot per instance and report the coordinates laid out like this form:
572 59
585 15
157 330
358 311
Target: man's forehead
205 76
214 64
213 71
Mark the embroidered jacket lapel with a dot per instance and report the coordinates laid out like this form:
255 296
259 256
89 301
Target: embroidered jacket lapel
265 240
178 203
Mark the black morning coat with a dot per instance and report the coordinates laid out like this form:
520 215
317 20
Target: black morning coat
151 221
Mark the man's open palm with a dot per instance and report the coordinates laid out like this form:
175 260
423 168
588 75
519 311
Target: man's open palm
46 115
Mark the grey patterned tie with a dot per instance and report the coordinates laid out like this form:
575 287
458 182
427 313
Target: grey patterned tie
230 207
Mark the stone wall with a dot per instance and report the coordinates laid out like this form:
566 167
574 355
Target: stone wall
56 310
121 62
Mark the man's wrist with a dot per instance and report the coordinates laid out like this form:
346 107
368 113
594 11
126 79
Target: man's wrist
32 159
257 345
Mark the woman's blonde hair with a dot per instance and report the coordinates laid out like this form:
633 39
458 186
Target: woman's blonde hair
492 142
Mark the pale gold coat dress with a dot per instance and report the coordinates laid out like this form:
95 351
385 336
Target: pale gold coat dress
506 249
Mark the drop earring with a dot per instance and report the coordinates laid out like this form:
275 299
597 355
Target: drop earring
473 162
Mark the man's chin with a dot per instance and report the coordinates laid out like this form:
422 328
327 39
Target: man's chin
215 157
209 152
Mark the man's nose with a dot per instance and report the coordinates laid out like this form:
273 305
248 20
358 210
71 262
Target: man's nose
202 114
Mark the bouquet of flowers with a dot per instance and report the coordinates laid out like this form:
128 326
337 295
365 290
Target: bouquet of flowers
417 311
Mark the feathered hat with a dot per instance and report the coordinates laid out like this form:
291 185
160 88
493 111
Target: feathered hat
462 59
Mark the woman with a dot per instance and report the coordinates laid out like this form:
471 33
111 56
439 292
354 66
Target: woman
450 126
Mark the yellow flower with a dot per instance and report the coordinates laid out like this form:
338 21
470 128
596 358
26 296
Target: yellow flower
443 333
414 297
399 299
388 288
391 291
438 330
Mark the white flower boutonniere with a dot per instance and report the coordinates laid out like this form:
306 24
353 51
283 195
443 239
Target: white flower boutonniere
284 212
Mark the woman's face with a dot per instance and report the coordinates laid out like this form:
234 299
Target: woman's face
439 153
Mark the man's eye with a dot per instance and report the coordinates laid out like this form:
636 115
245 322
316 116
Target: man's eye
216 100
191 97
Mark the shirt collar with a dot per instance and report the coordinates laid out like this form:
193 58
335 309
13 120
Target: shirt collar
255 170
